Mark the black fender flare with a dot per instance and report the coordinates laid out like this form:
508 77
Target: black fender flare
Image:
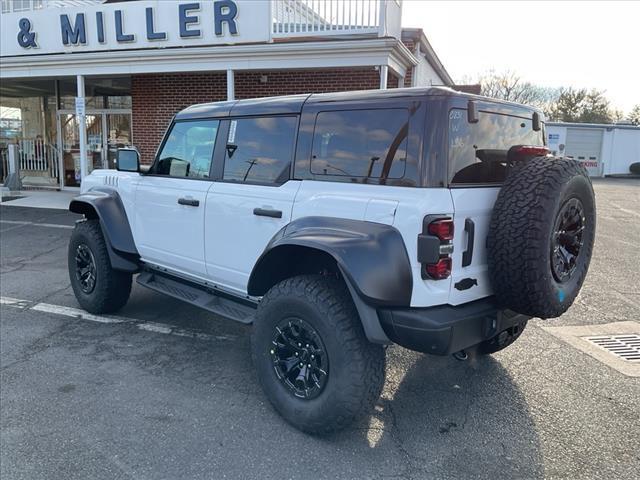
372 258
108 207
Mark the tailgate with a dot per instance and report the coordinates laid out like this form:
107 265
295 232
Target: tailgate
472 215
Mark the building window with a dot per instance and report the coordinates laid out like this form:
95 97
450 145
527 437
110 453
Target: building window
260 150
38 4
6 6
21 5
361 143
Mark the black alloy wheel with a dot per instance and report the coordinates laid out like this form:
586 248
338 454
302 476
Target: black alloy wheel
97 286
299 358
85 268
567 239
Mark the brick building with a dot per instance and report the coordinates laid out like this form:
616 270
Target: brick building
127 67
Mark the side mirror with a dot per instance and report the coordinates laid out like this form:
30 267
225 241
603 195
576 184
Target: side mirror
128 160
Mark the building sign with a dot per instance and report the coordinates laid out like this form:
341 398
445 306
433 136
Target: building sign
134 25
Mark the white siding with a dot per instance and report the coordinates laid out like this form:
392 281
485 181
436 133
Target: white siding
425 75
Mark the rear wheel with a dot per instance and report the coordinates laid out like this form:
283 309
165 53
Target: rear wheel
311 355
98 287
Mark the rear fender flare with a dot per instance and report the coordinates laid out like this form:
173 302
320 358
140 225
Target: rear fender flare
371 257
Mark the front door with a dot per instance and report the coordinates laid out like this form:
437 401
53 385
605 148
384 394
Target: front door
107 130
70 138
118 127
253 200
170 200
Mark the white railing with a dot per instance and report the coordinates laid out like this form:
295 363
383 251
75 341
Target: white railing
36 155
309 18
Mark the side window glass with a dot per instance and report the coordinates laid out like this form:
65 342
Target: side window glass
188 150
361 143
260 150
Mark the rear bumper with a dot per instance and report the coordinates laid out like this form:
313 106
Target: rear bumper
446 329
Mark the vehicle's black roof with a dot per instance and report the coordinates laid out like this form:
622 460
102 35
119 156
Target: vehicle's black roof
293 103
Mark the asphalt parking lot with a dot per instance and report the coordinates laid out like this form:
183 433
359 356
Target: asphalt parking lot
165 391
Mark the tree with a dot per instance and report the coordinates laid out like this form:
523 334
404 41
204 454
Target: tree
582 106
634 115
578 105
511 87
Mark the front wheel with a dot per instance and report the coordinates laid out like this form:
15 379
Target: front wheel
98 287
312 357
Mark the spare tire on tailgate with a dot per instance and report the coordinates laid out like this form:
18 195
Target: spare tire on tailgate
541 236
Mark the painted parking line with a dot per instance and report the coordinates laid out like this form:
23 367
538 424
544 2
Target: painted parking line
77 313
111 319
24 224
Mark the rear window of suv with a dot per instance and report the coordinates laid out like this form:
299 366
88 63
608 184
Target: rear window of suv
468 143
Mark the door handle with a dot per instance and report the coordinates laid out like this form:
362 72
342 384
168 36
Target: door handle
266 212
467 255
190 202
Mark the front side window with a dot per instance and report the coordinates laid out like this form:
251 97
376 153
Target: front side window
361 143
188 149
478 151
260 150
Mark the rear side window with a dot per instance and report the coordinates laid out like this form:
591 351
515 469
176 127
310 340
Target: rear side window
478 151
188 149
260 150
361 143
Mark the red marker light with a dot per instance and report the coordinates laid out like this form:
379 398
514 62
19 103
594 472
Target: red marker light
443 229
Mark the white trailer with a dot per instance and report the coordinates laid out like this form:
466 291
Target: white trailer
605 149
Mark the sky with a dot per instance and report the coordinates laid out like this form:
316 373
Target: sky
594 44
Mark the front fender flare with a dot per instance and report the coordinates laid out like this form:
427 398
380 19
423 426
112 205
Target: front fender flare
107 205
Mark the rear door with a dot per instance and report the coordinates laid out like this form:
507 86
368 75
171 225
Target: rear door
475 177
253 197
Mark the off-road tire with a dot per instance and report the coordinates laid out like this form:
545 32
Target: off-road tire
112 287
522 233
356 366
501 341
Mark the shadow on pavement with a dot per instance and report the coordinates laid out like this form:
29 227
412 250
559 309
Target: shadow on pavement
467 419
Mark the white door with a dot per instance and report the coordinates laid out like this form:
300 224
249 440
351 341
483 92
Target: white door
585 145
253 200
170 201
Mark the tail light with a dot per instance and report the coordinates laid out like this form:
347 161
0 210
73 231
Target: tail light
435 247
439 270
520 152
443 229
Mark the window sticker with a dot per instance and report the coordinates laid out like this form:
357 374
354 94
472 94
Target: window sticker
232 131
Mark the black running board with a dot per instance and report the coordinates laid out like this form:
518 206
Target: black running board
207 300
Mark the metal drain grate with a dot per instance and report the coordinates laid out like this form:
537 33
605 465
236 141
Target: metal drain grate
626 347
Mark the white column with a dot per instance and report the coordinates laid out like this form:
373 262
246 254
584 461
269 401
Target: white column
82 126
231 93
384 72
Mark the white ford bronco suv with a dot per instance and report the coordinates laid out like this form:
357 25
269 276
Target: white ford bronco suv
340 223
